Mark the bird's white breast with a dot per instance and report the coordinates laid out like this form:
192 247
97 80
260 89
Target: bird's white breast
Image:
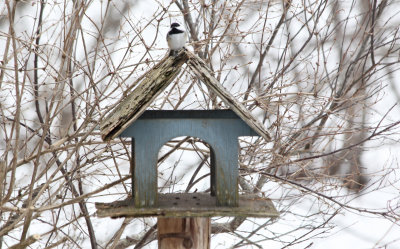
176 41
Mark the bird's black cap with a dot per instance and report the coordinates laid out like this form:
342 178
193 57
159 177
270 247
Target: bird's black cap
175 24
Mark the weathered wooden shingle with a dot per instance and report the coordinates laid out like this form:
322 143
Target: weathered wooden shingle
156 80
148 88
199 67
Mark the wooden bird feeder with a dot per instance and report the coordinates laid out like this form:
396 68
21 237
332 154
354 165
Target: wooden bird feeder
150 130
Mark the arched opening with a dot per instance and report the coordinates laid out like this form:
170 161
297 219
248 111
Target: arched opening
185 165
156 128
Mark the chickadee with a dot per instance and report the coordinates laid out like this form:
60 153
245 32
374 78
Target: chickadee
176 39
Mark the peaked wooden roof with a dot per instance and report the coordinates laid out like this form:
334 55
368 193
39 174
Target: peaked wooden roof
155 81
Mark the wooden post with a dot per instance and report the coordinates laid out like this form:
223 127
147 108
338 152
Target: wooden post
184 233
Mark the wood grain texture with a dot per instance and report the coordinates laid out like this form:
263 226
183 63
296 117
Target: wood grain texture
184 233
148 88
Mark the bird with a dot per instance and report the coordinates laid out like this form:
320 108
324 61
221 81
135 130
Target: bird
176 39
